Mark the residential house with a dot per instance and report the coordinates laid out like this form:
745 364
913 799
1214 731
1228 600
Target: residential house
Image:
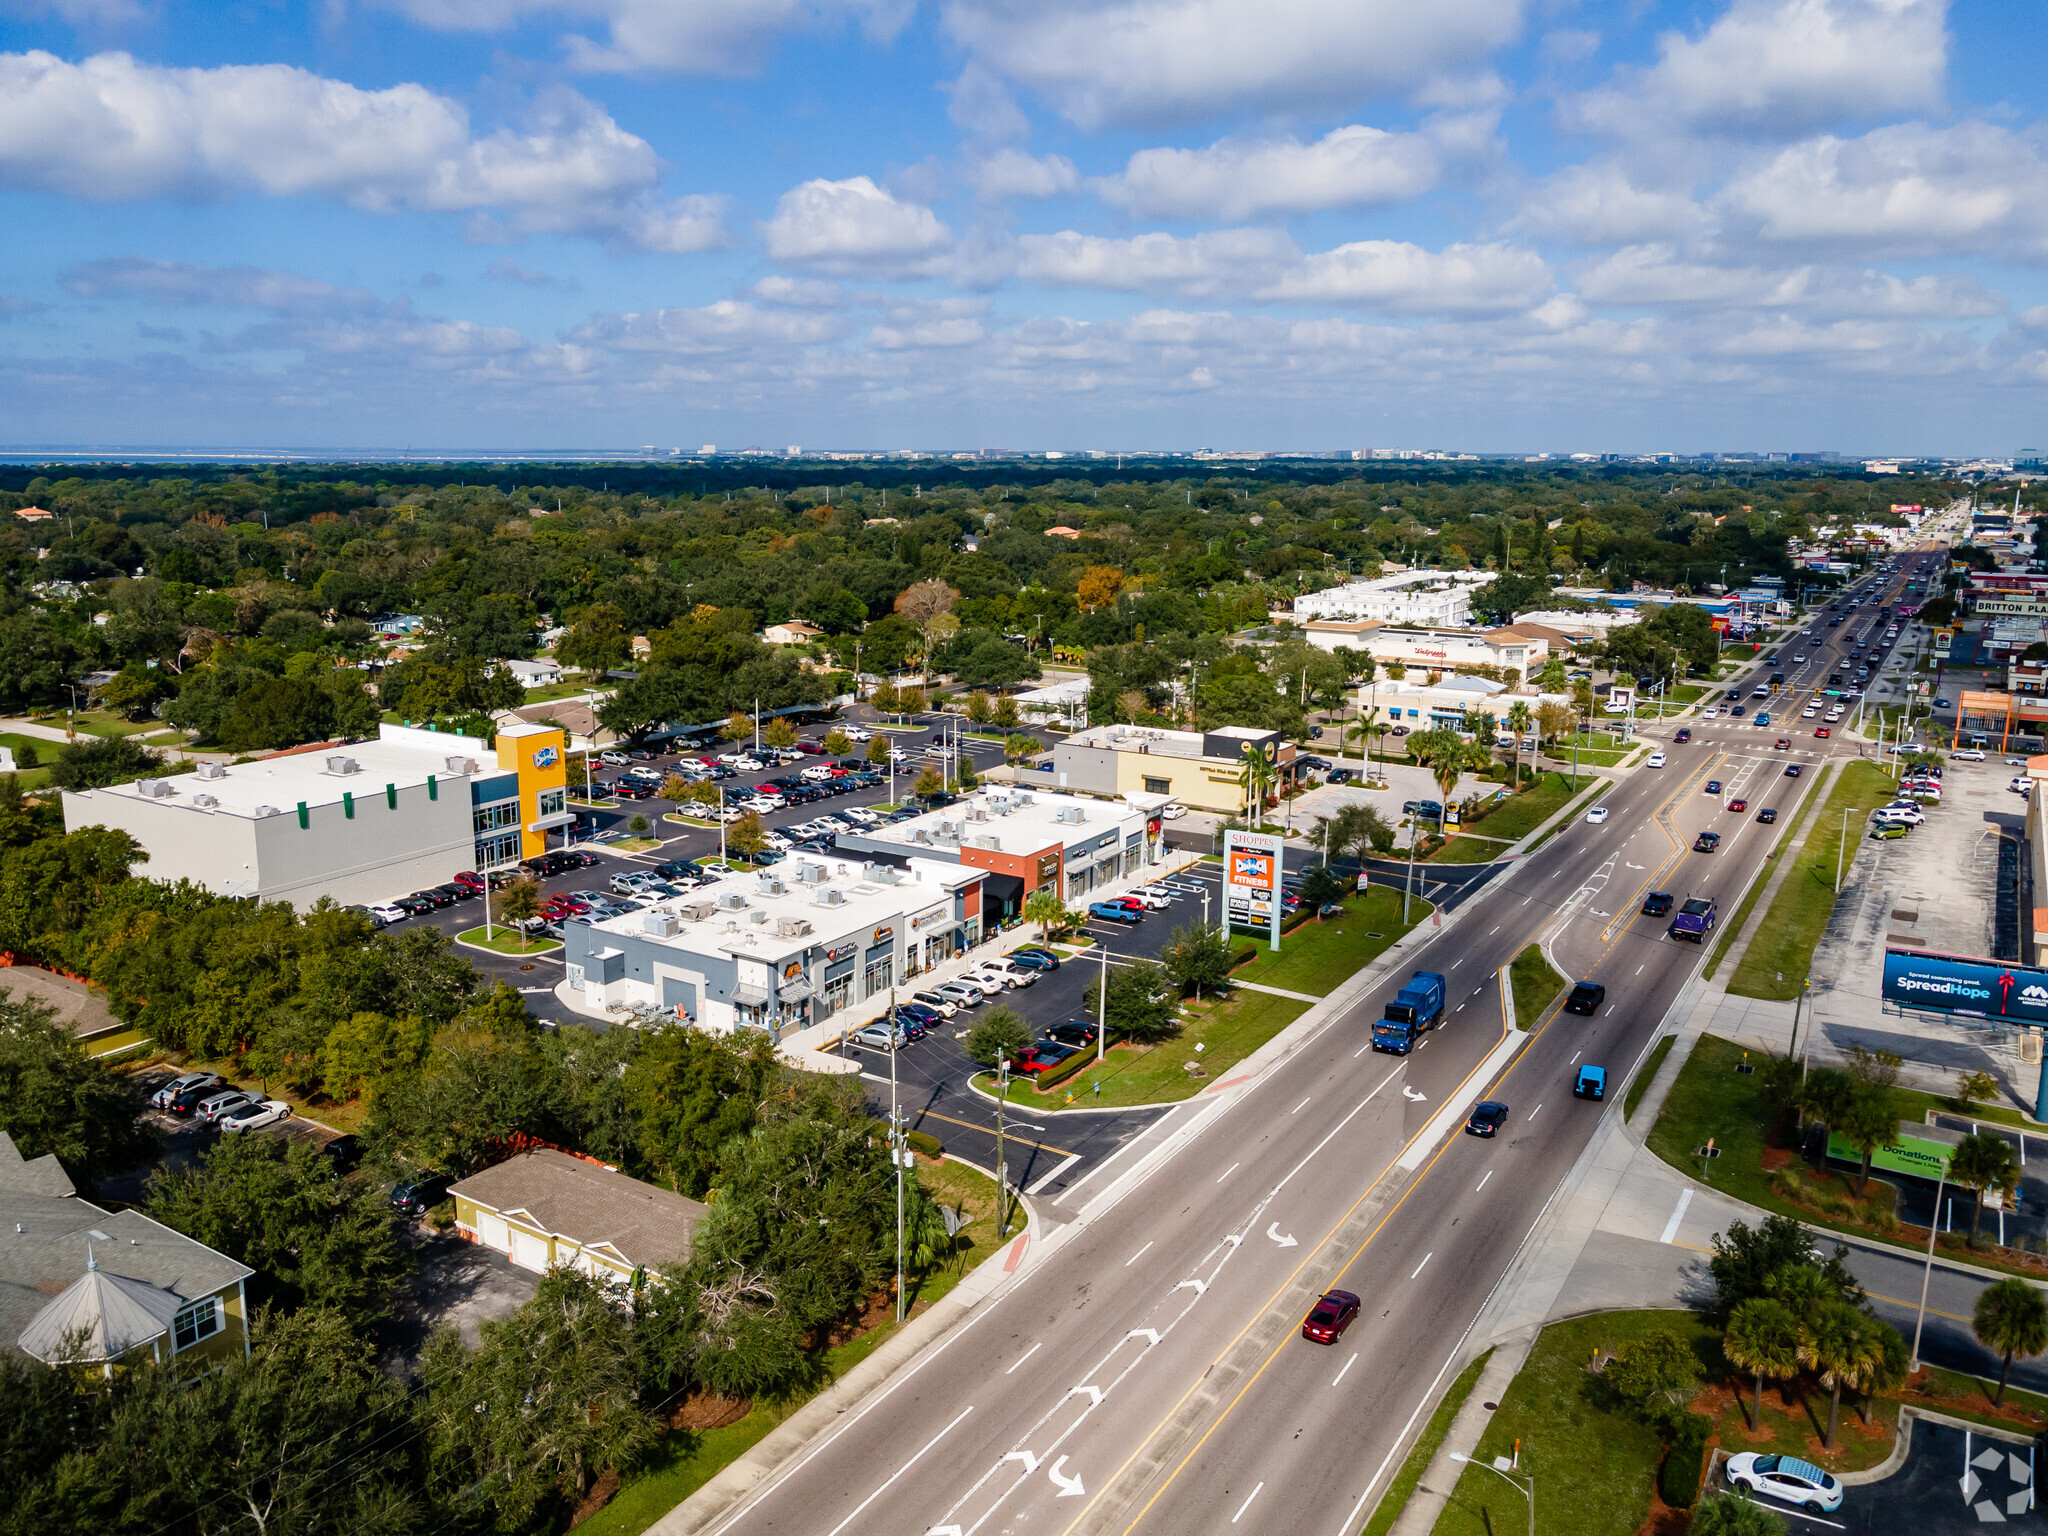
546 1208
791 632
534 674
1062 531
105 1288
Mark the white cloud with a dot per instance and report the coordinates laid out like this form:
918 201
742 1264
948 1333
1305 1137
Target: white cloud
1655 275
800 292
981 104
1236 179
854 226
1395 275
694 37
1782 67
1909 189
110 129
184 284
957 331
1223 260
1012 173
1599 203
1169 61
727 326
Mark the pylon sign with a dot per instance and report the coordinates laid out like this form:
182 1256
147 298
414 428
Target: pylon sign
1253 863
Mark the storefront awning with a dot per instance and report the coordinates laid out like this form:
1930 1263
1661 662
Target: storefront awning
549 823
794 991
749 997
1004 889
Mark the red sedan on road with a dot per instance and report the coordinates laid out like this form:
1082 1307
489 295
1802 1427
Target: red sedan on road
1738 805
1821 730
1330 1316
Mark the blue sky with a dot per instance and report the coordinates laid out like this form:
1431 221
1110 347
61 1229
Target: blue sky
525 225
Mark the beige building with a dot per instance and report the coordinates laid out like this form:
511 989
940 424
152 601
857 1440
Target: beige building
1199 769
546 1208
1437 649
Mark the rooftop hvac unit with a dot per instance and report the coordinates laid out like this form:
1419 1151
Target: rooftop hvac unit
758 918
811 874
462 765
731 901
1021 799
266 810
793 928
831 896
697 911
977 814
210 771
989 843
881 874
771 885
204 802
921 835
661 925
154 789
339 764
1070 814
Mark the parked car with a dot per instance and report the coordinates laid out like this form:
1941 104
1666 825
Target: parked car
1487 1118
1787 1479
1888 831
1041 1056
961 994
944 1006
1114 912
1329 1317
254 1115
1038 955
416 1196
1079 1033
344 1152
179 1086
211 1109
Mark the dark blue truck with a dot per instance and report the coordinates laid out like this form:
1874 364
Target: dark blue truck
1417 1006
1694 920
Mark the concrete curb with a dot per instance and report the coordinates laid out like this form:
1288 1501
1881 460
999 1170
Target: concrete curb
1432 1491
843 1398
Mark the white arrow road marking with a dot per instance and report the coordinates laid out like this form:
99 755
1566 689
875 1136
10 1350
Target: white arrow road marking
1094 1394
1411 1094
943 1530
1151 1335
1200 1286
1070 1487
1273 1231
1030 1461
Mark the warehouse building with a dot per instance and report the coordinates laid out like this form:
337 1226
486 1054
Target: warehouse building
779 950
1439 650
361 823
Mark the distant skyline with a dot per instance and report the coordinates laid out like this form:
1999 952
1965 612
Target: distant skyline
510 226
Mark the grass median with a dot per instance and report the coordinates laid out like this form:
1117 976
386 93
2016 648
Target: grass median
1402 1487
1536 985
1775 964
1317 956
1519 815
1731 928
506 941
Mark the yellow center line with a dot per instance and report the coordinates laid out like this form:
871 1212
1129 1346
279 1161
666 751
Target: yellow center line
989 1130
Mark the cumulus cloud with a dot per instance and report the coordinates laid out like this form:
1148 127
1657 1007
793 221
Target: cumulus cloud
112 129
1599 203
184 284
694 37
853 226
1656 275
1218 261
1396 275
1782 67
1906 190
728 326
1173 61
1012 173
1237 179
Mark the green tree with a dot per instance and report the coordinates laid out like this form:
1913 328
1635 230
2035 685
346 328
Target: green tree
878 749
929 784
738 726
690 1093
94 762
481 1083
365 1048
1018 748
746 836
1652 1375
1750 1261
1143 1002
833 609
56 1098
1870 1121
2011 1318
1044 907
1828 1095
1322 886
1734 1514
1004 712
836 742
1973 1088
1983 1160
997 1035
276 1205
1763 1340
1839 1343
1521 720
519 904
978 708
1197 956
600 640
779 734
545 1405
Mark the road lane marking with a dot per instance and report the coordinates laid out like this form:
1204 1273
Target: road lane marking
1677 1215
1053 1173
986 1130
1347 1366
1301 1106
1247 1504
1136 1256
935 1439
1034 1349
1424 1264
1535 1112
1482 1183
1495 929
1226 1173
1575 1060
1361 1050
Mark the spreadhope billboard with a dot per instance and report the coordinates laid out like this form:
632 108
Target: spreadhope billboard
1966 984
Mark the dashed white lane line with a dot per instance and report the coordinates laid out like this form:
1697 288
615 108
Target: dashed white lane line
935 1439
1226 1173
1136 1256
1027 1355
1536 1111
1301 1106
1347 1366
1575 1060
1424 1264
1482 1182
1247 1504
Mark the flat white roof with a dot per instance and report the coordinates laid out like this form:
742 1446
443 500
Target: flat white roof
1020 821
280 783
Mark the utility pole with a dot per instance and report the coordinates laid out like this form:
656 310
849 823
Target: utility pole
1933 1226
1002 1169
899 1149
1102 997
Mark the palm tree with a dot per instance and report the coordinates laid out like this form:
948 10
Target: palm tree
1255 779
1520 722
1982 1161
1448 756
2011 1319
1841 1346
1044 907
1763 1339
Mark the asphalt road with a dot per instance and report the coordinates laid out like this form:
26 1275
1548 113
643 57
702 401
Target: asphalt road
1148 1373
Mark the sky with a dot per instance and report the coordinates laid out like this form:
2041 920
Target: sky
1306 225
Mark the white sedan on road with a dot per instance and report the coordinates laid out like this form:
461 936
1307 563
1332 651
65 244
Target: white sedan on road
1597 815
254 1116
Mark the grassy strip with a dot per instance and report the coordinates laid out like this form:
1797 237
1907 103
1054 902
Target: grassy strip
684 1462
1318 956
1228 1030
1519 815
1403 1486
1536 986
1775 963
507 941
1464 848
1643 1078
1733 926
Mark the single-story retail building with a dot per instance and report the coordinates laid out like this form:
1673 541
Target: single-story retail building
1202 770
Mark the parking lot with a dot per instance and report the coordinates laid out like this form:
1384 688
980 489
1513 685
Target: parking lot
1955 1479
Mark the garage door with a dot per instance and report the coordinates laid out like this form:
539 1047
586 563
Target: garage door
528 1251
492 1232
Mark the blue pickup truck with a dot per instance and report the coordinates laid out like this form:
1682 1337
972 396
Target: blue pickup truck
1695 920
1111 912
1417 1006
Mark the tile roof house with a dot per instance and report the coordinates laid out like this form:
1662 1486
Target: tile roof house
101 1287
791 632
544 1208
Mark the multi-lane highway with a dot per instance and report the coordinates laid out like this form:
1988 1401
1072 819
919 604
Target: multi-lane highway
1147 1372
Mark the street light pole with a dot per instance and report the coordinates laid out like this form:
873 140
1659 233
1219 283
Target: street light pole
1002 1169
1528 1493
1933 1226
1102 1004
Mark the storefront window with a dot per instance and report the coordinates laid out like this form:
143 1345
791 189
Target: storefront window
1158 786
839 993
489 818
493 851
553 801
881 975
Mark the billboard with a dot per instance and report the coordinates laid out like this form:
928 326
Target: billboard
1942 639
1966 984
1252 869
1920 1156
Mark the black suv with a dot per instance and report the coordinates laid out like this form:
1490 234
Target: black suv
1586 997
1656 904
415 1197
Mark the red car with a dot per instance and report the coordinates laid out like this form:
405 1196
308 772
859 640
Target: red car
1821 730
470 878
1738 805
1330 1316
1040 1057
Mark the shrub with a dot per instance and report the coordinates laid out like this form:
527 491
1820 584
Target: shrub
928 1144
1678 1480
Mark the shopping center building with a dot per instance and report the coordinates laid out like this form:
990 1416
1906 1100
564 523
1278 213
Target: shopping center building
360 823
1202 770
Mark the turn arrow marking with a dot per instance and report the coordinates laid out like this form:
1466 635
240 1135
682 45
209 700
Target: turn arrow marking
1094 1395
1070 1487
1144 1333
1412 1095
1273 1232
1030 1461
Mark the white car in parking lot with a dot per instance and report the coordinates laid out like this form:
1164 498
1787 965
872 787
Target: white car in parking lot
386 913
1968 755
855 733
962 993
254 1116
